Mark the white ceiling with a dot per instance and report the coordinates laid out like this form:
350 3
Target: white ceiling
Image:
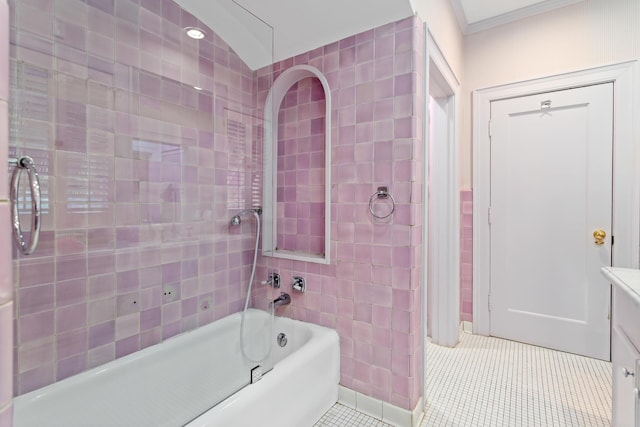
298 26
263 32
478 15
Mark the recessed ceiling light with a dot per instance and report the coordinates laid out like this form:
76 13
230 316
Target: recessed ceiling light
195 33
197 88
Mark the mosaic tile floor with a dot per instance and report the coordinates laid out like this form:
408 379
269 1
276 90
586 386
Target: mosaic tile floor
340 416
486 381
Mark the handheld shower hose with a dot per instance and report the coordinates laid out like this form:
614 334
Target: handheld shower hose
236 220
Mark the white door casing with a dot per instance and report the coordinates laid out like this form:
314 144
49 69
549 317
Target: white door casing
441 82
441 200
551 176
626 159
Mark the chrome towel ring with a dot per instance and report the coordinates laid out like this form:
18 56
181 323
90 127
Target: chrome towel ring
382 193
20 164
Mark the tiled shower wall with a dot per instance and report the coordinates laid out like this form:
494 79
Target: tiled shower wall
140 173
6 289
370 292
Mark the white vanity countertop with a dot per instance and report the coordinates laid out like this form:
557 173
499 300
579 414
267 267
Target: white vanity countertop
627 279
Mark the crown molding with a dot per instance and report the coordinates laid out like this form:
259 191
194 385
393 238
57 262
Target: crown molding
505 18
458 10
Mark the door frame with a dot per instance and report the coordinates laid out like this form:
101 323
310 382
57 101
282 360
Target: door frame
446 212
626 158
441 200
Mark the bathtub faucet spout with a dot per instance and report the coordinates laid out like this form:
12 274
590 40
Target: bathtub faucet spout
283 299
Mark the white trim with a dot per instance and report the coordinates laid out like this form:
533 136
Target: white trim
505 18
461 17
436 56
442 189
424 257
447 297
277 93
626 178
467 326
380 409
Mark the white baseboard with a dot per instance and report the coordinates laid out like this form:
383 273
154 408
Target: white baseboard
381 410
467 326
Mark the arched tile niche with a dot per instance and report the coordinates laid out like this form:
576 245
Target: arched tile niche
297 167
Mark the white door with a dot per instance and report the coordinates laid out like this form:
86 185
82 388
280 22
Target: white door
551 188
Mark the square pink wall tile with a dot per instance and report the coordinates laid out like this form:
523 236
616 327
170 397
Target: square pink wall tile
360 60
466 255
130 226
6 416
4 147
6 353
6 283
376 271
4 50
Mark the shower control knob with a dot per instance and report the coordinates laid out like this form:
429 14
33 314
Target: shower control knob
298 284
273 280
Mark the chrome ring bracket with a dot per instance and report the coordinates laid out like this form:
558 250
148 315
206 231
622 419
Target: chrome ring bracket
382 193
25 163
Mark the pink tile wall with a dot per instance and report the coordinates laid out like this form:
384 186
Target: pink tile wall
6 290
371 290
4 52
140 174
6 283
466 255
4 135
6 362
301 159
6 286
4 95
159 194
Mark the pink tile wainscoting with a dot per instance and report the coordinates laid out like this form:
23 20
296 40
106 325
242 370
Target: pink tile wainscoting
466 255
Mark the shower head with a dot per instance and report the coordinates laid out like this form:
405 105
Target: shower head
236 219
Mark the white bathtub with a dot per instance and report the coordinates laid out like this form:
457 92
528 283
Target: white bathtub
178 382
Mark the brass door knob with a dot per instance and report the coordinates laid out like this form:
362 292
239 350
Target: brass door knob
599 235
